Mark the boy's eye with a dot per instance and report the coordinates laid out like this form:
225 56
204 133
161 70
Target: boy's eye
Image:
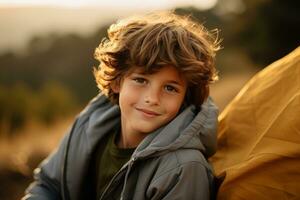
139 80
170 88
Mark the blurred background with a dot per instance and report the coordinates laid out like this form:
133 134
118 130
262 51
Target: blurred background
46 62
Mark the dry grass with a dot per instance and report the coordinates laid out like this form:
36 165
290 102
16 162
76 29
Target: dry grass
20 154
15 151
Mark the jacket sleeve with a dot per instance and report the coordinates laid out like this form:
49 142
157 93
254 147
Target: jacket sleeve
188 181
48 176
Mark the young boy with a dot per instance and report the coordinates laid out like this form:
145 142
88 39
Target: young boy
148 133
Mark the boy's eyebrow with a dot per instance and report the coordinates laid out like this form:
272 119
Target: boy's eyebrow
175 82
179 83
140 72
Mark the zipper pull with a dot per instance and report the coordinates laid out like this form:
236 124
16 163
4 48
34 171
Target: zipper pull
133 159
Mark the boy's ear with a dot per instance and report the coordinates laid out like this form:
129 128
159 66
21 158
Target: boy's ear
115 86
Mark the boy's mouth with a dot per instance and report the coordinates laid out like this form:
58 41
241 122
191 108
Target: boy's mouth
148 112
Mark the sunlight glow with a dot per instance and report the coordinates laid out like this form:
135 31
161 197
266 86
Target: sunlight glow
72 16
146 4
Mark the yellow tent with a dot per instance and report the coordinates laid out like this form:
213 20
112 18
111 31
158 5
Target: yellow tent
259 136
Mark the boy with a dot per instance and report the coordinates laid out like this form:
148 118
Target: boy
149 132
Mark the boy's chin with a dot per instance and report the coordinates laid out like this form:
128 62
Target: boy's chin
142 129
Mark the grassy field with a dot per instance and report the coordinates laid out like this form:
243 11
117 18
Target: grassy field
19 155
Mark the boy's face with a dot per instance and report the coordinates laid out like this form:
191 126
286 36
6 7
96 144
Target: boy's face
148 101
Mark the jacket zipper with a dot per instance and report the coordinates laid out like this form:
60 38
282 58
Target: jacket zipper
127 167
132 160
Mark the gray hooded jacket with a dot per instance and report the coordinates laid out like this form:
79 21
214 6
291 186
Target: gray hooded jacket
169 163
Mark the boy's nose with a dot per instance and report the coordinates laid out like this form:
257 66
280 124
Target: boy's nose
152 97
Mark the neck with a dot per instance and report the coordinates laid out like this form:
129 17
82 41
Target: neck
129 139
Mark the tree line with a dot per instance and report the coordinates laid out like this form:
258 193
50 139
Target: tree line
54 75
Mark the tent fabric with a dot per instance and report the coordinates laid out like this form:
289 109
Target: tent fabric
259 136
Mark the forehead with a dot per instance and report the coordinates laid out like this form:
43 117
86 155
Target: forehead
166 71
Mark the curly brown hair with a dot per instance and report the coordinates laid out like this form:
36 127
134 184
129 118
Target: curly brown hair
155 40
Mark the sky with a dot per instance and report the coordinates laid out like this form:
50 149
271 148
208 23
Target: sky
20 20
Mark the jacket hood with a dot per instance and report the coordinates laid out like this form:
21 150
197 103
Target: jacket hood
191 128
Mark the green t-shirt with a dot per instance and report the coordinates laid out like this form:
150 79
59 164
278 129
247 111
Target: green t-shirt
109 160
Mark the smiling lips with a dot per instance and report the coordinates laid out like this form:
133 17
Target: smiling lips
148 113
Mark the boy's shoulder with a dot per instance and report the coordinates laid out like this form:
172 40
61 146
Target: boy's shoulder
179 158
179 163
184 156
187 156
